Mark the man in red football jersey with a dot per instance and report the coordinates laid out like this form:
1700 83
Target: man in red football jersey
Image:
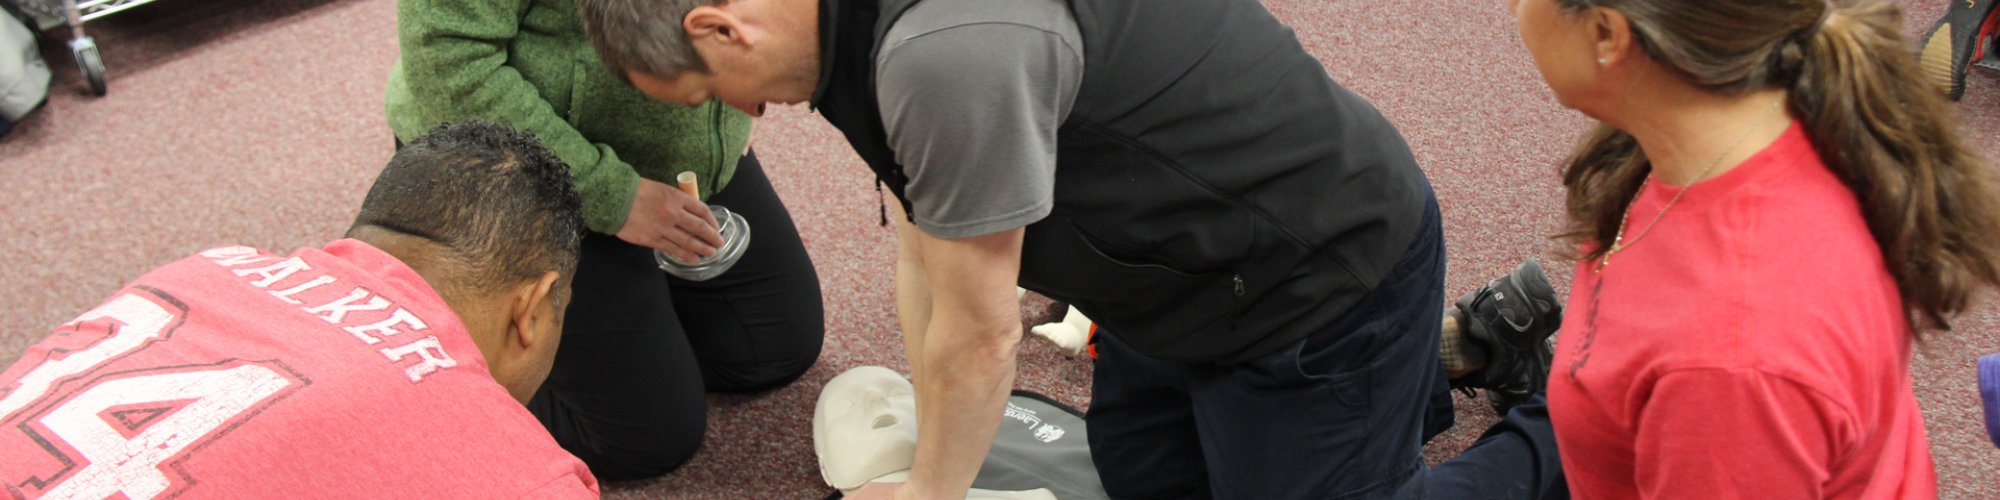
392 363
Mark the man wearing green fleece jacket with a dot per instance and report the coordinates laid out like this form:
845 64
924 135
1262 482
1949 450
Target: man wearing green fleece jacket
640 347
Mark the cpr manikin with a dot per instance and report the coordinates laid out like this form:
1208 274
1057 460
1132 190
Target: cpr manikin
865 430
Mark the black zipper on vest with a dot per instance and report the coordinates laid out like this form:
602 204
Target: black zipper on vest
720 145
1238 278
881 202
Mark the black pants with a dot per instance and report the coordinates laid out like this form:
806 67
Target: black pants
640 347
1342 413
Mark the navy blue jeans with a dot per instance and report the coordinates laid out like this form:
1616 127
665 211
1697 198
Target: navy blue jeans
1342 413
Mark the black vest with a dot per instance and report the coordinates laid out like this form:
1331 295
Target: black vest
1217 197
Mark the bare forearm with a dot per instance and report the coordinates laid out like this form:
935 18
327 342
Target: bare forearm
959 404
963 350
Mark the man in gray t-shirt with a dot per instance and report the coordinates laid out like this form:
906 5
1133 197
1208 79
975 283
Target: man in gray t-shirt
978 141
1259 245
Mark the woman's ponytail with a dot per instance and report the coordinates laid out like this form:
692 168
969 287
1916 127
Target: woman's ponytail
1932 205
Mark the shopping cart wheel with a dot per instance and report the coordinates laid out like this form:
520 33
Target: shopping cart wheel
84 49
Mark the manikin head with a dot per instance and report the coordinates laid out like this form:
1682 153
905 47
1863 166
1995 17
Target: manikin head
865 430
865 426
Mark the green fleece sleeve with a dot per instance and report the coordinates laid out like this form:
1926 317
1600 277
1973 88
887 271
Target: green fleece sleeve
454 63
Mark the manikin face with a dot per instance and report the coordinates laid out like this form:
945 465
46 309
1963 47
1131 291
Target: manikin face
865 426
865 430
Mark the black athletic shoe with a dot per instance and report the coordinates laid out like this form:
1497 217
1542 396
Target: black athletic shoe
1511 318
1957 39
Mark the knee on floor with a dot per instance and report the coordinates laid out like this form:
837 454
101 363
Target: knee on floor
774 367
661 454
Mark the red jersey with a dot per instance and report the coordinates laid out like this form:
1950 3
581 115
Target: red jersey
239 374
1752 346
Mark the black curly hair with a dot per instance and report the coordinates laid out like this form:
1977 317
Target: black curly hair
500 203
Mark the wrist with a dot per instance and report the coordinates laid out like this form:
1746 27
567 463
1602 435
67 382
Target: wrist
922 490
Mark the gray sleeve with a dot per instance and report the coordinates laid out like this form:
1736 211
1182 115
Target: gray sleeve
972 113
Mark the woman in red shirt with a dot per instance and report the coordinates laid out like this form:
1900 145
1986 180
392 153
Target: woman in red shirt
1774 208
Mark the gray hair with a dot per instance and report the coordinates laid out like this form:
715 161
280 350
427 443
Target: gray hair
645 35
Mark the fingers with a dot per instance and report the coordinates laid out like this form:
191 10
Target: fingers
678 253
702 210
678 201
681 226
670 242
700 228
690 215
685 245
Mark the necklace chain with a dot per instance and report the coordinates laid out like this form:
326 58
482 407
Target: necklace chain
1618 243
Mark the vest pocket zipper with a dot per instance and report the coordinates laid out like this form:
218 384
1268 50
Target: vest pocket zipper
721 148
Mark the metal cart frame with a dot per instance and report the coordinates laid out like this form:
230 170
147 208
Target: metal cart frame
82 47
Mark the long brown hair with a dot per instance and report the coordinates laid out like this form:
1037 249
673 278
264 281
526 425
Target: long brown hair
1931 204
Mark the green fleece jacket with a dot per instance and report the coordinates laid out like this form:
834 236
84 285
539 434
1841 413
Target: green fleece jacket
526 63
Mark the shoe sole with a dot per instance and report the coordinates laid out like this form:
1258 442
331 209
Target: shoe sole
1939 64
1530 283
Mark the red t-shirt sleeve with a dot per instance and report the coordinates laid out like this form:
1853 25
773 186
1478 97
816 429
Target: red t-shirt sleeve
1736 433
565 487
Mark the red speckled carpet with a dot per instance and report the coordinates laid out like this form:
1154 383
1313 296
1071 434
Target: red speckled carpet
260 123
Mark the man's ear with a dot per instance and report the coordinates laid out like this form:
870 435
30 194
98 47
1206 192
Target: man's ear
534 303
1611 34
715 24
